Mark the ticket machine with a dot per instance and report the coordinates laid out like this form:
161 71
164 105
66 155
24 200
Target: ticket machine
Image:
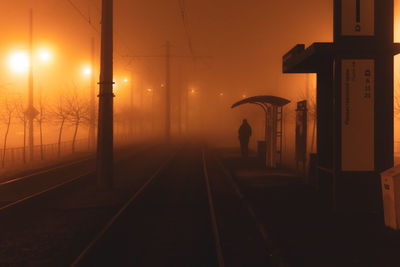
354 102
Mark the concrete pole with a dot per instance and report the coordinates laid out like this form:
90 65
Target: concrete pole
92 127
105 159
168 93
179 93
132 116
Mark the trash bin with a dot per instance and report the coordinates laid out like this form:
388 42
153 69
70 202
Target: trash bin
391 197
261 150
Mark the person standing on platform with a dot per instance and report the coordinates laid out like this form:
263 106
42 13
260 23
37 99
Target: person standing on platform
244 137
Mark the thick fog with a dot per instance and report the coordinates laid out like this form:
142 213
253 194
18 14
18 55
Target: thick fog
221 52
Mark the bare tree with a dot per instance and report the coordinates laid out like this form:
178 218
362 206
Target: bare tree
60 114
42 116
20 112
78 113
6 116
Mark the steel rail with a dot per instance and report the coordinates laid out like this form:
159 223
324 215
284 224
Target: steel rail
61 184
13 180
217 236
121 211
111 222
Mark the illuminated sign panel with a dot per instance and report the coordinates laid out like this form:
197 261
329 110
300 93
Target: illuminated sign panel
358 18
358 115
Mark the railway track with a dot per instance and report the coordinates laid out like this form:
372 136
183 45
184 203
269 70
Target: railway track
17 191
187 213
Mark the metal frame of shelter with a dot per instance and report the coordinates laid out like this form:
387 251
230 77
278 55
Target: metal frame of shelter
273 109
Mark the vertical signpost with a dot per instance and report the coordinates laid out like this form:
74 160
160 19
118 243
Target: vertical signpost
354 101
363 60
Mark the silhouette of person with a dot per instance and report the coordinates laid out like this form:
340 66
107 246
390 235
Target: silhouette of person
244 137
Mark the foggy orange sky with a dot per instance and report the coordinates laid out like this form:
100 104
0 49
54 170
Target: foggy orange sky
246 41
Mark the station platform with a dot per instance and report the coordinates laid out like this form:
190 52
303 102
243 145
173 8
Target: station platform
301 231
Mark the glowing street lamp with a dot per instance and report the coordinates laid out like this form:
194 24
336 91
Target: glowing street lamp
87 71
45 55
19 62
126 80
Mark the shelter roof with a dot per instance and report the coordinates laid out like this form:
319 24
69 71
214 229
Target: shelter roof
319 55
263 99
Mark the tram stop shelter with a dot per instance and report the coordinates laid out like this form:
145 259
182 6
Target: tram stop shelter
273 109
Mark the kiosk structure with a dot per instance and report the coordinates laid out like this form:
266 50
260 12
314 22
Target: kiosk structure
273 108
354 101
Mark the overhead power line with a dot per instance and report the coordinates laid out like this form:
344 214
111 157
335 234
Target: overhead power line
83 16
185 26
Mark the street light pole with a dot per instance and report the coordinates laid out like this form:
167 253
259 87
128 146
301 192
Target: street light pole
30 112
167 93
131 121
105 146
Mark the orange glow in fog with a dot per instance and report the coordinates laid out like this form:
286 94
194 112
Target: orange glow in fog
87 71
45 55
19 62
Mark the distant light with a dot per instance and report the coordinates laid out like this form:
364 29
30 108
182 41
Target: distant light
149 90
162 85
221 94
193 91
44 55
126 80
87 71
19 62
244 96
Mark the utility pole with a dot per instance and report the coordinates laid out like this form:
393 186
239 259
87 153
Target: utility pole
167 83
105 159
92 126
30 112
168 93
131 121
179 88
141 95
186 109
